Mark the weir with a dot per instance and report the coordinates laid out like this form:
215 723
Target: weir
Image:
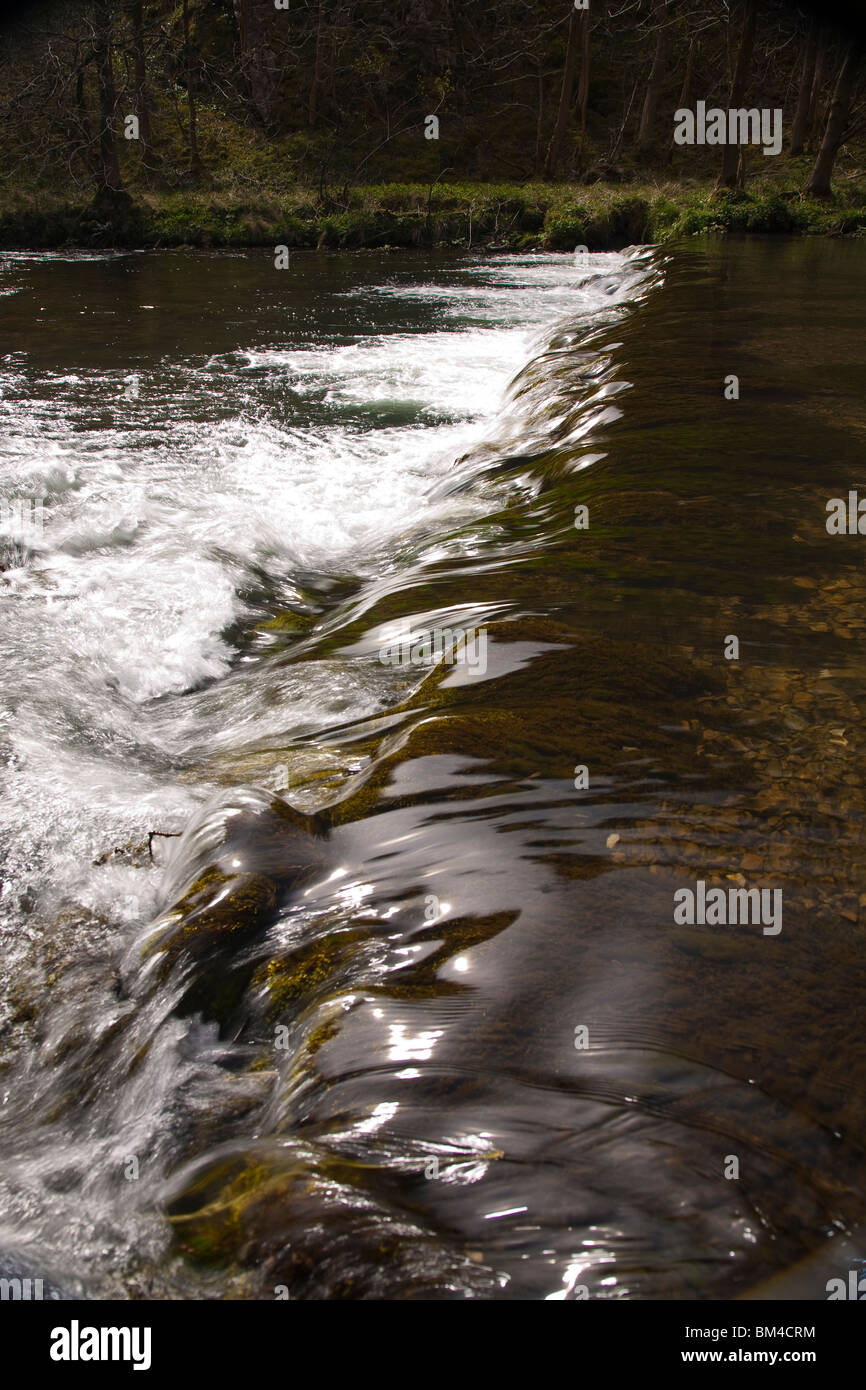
337 1014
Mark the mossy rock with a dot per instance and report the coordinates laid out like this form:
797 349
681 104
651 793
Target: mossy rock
287 621
209 926
272 849
299 1217
324 966
297 976
216 909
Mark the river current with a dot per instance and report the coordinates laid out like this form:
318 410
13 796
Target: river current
351 976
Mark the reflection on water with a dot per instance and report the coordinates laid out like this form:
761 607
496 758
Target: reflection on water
435 1031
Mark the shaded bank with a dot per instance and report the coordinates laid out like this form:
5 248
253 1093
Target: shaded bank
502 217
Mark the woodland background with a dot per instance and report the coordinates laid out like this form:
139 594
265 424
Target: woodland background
308 122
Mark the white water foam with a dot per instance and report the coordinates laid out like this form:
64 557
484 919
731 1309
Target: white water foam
116 627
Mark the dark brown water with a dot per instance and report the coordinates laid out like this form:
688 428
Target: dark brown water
446 1038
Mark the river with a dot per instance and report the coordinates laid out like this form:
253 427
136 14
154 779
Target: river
339 964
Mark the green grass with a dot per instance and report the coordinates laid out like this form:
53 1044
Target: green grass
518 217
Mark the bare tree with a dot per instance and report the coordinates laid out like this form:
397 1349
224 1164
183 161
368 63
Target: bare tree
687 90
554 149
257 59
814 118
801 118
192 127
142 101
109 169
583 81
656 80
730 157
315 81
837 122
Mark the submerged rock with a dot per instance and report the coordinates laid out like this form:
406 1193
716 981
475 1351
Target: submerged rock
296 1221
237 863
217 912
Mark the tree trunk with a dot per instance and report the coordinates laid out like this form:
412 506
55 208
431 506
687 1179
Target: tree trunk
142 105
837 123
730 158
741 167
80 133
109 170
801 118
817 85
256 56
583 84
539 126
555 147
688 80
317 67
192 132
656 81
686 93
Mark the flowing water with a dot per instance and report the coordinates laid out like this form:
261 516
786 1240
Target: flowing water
347 977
